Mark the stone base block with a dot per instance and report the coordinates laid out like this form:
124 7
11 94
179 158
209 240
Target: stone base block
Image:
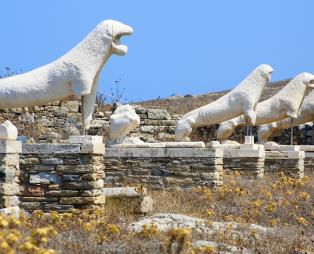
93 148
10 147
249 140
82 200
124 192
273 146
162 145
86 139
135 205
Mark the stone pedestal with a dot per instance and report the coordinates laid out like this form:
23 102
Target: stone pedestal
248 160
63 176
9 175
309 158
286 159
249 140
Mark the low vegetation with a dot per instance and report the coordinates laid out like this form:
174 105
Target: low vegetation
279 202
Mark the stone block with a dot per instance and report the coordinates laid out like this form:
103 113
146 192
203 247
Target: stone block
185 144
82 200
38 199
83 139
91 193
163 152
62 193
137 205
34 190
95 148
52 161
306 148
10 146
97 123
9 189
42 168
84 185
29 161
92 177
213 144
51 148
125 192
44 178
272 146
78 169
70 178
248 139
250 147
71 106
158 114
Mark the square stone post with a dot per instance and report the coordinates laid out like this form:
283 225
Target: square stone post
90 175
9 175
285 158
249 159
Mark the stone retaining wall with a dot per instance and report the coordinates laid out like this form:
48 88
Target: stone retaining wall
65 176
164 167
57 121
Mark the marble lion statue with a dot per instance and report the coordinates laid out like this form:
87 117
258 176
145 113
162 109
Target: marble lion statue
123 120
285 104
241 100
74 74
306 114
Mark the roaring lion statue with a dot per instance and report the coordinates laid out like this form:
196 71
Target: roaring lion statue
286 103
306 114
74 74
241 100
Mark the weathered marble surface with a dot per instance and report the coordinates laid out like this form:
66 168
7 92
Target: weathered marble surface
123 120
241 100
286 103
306 114
74 74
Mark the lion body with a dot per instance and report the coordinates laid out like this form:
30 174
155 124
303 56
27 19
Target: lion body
241 100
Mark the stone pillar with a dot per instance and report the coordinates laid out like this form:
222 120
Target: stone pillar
9 175
248 160
85 180
286 159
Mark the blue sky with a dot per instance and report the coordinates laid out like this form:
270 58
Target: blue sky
178 46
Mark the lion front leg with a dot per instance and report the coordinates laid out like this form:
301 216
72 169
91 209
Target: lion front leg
88 105
183 130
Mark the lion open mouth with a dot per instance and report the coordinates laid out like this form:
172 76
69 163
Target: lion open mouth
119 48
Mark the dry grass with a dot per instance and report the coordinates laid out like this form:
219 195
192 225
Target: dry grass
280 202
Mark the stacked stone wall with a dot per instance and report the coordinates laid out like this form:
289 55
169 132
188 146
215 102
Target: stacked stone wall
60 177
163 167
58 120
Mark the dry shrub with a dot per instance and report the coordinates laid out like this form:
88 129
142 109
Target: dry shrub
279 202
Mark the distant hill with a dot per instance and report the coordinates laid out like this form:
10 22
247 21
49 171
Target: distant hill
184 104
